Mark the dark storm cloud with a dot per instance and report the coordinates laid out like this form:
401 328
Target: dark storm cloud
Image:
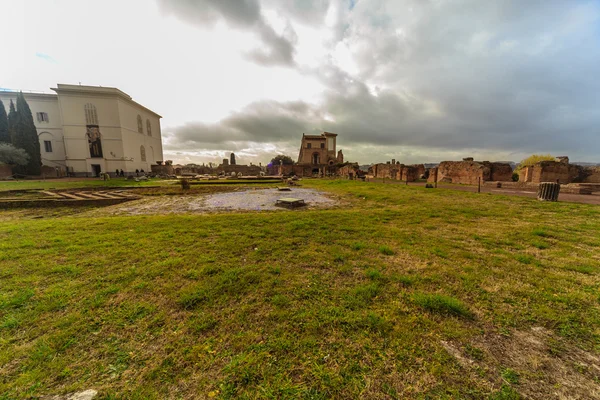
508 76
241 14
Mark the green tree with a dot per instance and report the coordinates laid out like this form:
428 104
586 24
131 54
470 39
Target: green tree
534 159
12 120
287 160
11 155
24 135
4 134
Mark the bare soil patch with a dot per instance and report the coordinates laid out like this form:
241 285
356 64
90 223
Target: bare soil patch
236 200
534 363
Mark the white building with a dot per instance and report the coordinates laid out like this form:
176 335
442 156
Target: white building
85 130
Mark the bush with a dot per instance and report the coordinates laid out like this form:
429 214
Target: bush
185 184
534 159
12 155
515 177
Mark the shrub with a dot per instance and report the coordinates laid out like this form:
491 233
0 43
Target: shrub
534 159
12 155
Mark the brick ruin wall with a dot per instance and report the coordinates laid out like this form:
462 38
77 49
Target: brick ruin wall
590 175
552 171
500 172
349 171
248 170
397 171
470 172
465 172
288 170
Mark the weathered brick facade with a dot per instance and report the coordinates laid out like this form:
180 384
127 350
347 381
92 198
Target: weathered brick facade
395 170
350 171
559 171
470 172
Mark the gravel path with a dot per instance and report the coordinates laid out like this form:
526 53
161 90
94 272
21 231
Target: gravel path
247 200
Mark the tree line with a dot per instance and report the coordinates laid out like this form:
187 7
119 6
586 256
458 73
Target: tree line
19 142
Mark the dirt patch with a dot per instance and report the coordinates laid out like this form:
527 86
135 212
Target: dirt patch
244 200
533 363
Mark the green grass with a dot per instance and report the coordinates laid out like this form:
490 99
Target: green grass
441 304
350 302
78 183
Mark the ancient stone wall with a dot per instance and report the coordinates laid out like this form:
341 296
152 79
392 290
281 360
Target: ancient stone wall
470 172
590 174
296 169
350 171
395 170
465 172
411 173
563 172
550 171
247 170
385 170
432 175
501 172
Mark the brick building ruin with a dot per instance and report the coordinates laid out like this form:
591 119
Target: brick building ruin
396 171
470 172
559 171
318 156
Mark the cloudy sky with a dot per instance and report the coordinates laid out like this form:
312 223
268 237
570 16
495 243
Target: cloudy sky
414 80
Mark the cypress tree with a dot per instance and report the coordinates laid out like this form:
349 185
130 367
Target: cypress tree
24 136
12 121
4 135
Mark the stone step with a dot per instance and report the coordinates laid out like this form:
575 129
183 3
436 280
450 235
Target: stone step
51 194
71 196
108 195
87 195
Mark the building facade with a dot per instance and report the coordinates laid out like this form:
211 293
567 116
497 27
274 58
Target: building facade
86 130
318 154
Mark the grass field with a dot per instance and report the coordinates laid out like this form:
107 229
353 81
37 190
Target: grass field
403 292
77 183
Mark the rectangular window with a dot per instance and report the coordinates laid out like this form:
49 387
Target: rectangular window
48 146
42 117
322 145
308 145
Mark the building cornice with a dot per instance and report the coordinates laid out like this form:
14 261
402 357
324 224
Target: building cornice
99 91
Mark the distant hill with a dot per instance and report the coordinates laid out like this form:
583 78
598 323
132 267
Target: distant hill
585 164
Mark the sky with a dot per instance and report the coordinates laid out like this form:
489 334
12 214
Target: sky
414 80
